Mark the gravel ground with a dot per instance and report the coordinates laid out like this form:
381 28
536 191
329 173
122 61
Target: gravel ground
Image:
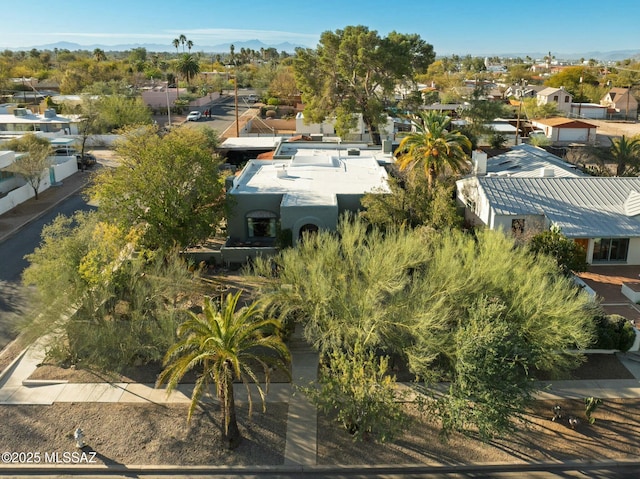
144 434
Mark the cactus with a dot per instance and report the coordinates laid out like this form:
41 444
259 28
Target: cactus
590 405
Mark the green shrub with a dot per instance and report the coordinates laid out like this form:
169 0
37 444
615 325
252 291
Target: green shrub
273 101
613 332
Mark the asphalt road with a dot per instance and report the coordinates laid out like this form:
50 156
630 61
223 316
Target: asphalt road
13 303
539 471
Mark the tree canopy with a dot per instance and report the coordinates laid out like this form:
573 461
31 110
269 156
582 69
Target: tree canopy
32 165
167 187
431 298
353 71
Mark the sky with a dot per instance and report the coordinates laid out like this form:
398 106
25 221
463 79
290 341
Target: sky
460 27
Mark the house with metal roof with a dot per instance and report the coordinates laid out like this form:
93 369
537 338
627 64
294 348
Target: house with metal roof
600 213
305 187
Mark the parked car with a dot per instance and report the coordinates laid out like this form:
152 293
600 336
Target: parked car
252 98
537 133
65 151
86 160
194 116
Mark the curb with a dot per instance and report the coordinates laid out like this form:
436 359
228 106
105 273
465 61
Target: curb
12 364
318 471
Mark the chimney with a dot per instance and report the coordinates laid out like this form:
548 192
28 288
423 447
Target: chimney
479 159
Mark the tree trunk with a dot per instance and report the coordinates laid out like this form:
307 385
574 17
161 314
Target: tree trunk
230 433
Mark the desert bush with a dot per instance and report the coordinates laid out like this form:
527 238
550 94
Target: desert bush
614 332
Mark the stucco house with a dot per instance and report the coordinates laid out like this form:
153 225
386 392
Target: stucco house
621 104
560 96
22 120
563 131
304 188
526 191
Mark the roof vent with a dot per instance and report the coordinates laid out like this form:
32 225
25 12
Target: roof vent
50 113
20 112
547 172
353 152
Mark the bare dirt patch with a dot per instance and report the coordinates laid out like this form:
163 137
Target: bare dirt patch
145 433
614 435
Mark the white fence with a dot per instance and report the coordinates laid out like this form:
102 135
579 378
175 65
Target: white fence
25 192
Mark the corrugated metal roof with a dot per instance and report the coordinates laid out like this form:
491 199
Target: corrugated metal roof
583 207
528 161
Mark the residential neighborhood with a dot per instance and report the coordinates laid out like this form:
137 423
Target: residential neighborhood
381 258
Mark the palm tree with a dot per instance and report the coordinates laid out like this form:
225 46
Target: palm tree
225 344
625 153
433 147
183 40
99 55
188 66
189 45
176 43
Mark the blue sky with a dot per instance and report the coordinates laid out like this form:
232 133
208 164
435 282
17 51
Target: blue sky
468 26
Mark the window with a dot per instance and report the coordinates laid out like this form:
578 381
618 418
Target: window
261 224
555 98
517 226
610 249
566 99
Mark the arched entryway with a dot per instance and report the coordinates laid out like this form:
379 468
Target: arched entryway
309 229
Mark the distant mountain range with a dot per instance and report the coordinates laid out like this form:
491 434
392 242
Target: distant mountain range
156 47
290 48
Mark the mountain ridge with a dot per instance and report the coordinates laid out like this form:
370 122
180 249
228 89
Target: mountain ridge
256 44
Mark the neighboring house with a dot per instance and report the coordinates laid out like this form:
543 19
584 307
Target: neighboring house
526 91
621 103
358 133
561 97
22 120
527 190
14 189
304 188
563 131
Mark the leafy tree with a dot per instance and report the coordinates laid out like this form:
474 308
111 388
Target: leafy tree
482 111
356 385
533 111
569 255
118 111
431 298
32 165
169 188
353 70
411 203
224 345
569 78
433 148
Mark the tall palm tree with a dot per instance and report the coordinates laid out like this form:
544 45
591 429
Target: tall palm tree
188 66
99 55
183 40
189 45
224 345
625 153
433 147
176 43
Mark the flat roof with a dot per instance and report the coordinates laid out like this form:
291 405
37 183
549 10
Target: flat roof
251 143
